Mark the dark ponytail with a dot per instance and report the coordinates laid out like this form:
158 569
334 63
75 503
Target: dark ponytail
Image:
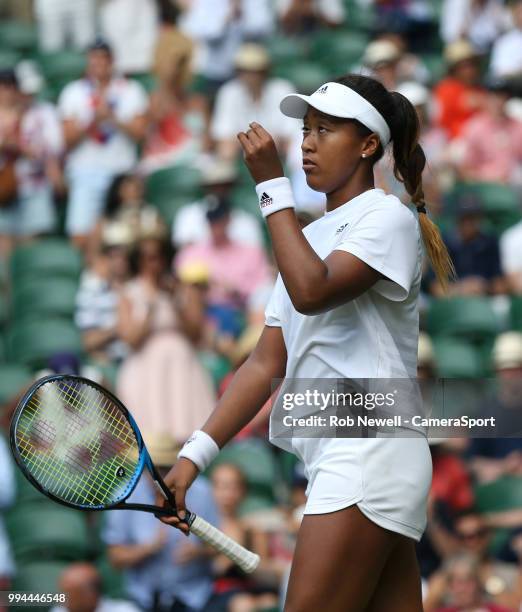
409 160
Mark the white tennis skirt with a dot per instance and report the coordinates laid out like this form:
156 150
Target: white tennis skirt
388 478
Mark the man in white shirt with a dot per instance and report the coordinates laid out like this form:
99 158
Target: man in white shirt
506 57
104 117
131 27
218 28
62 21
251 96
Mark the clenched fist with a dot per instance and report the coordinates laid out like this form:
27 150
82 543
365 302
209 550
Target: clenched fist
260 154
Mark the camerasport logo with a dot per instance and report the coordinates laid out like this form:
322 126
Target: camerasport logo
266 200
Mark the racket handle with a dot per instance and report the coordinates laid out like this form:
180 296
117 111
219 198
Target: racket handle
245 559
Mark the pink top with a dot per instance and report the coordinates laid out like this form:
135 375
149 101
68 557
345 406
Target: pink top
492 148
236 270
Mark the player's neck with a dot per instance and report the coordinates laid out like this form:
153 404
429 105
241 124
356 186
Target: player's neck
358 183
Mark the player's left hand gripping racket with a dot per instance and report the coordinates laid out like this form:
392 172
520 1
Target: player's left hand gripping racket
79 445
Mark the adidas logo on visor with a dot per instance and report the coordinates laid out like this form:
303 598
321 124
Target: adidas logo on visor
266 200
322 89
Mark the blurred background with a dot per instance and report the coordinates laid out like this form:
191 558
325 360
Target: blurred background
132 252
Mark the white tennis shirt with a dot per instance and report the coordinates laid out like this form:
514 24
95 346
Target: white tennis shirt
376 334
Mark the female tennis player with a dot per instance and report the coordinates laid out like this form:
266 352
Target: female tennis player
344 306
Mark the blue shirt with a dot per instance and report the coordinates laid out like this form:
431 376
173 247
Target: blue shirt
192 582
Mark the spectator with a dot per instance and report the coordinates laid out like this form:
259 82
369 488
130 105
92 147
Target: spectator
491 141
506 57
305 16
475 254
190 223
381 58
479 21
511 257
162 381
7 493
459 586
98 295
494 457
233 588
459 95
31 141
131 28
125 207
104 116
61 22
252 96
163 570
499 579
81 584
238 273
179 117
218 27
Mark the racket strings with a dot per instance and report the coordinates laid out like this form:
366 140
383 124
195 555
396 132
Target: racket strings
78 444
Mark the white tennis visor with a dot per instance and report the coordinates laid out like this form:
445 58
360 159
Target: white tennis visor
339 101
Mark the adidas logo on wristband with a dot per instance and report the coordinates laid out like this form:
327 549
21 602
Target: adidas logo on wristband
266 200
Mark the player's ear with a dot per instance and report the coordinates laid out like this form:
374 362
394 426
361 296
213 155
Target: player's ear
370 145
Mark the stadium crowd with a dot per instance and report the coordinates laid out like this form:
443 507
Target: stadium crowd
132 252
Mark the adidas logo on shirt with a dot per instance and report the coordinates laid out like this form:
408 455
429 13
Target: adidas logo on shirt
340 229
266 200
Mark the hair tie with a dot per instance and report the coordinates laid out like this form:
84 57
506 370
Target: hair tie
422 209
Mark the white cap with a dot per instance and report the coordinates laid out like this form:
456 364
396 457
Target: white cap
29 77
416 93
339 101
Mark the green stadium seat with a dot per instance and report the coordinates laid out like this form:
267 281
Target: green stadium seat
466 317
14 379
148 81
44 297
245 198
501 203
33 342
48 530
113 584
216 365
18 36
455 358
173 182
26 494
503 494
3 349
306 76
435 64
255 503
286 50
62 65
38 576
45 258
168 205
4 309
8 58
516 313
339 50
257 463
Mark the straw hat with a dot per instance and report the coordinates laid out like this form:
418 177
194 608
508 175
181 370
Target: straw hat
162 448
459 51
252 56
507 351
381 52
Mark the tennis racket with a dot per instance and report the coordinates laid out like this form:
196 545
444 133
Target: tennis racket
78 444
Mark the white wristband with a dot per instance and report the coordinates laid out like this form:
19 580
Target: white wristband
274 195
201 449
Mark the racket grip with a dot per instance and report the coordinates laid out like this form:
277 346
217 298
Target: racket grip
245 559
